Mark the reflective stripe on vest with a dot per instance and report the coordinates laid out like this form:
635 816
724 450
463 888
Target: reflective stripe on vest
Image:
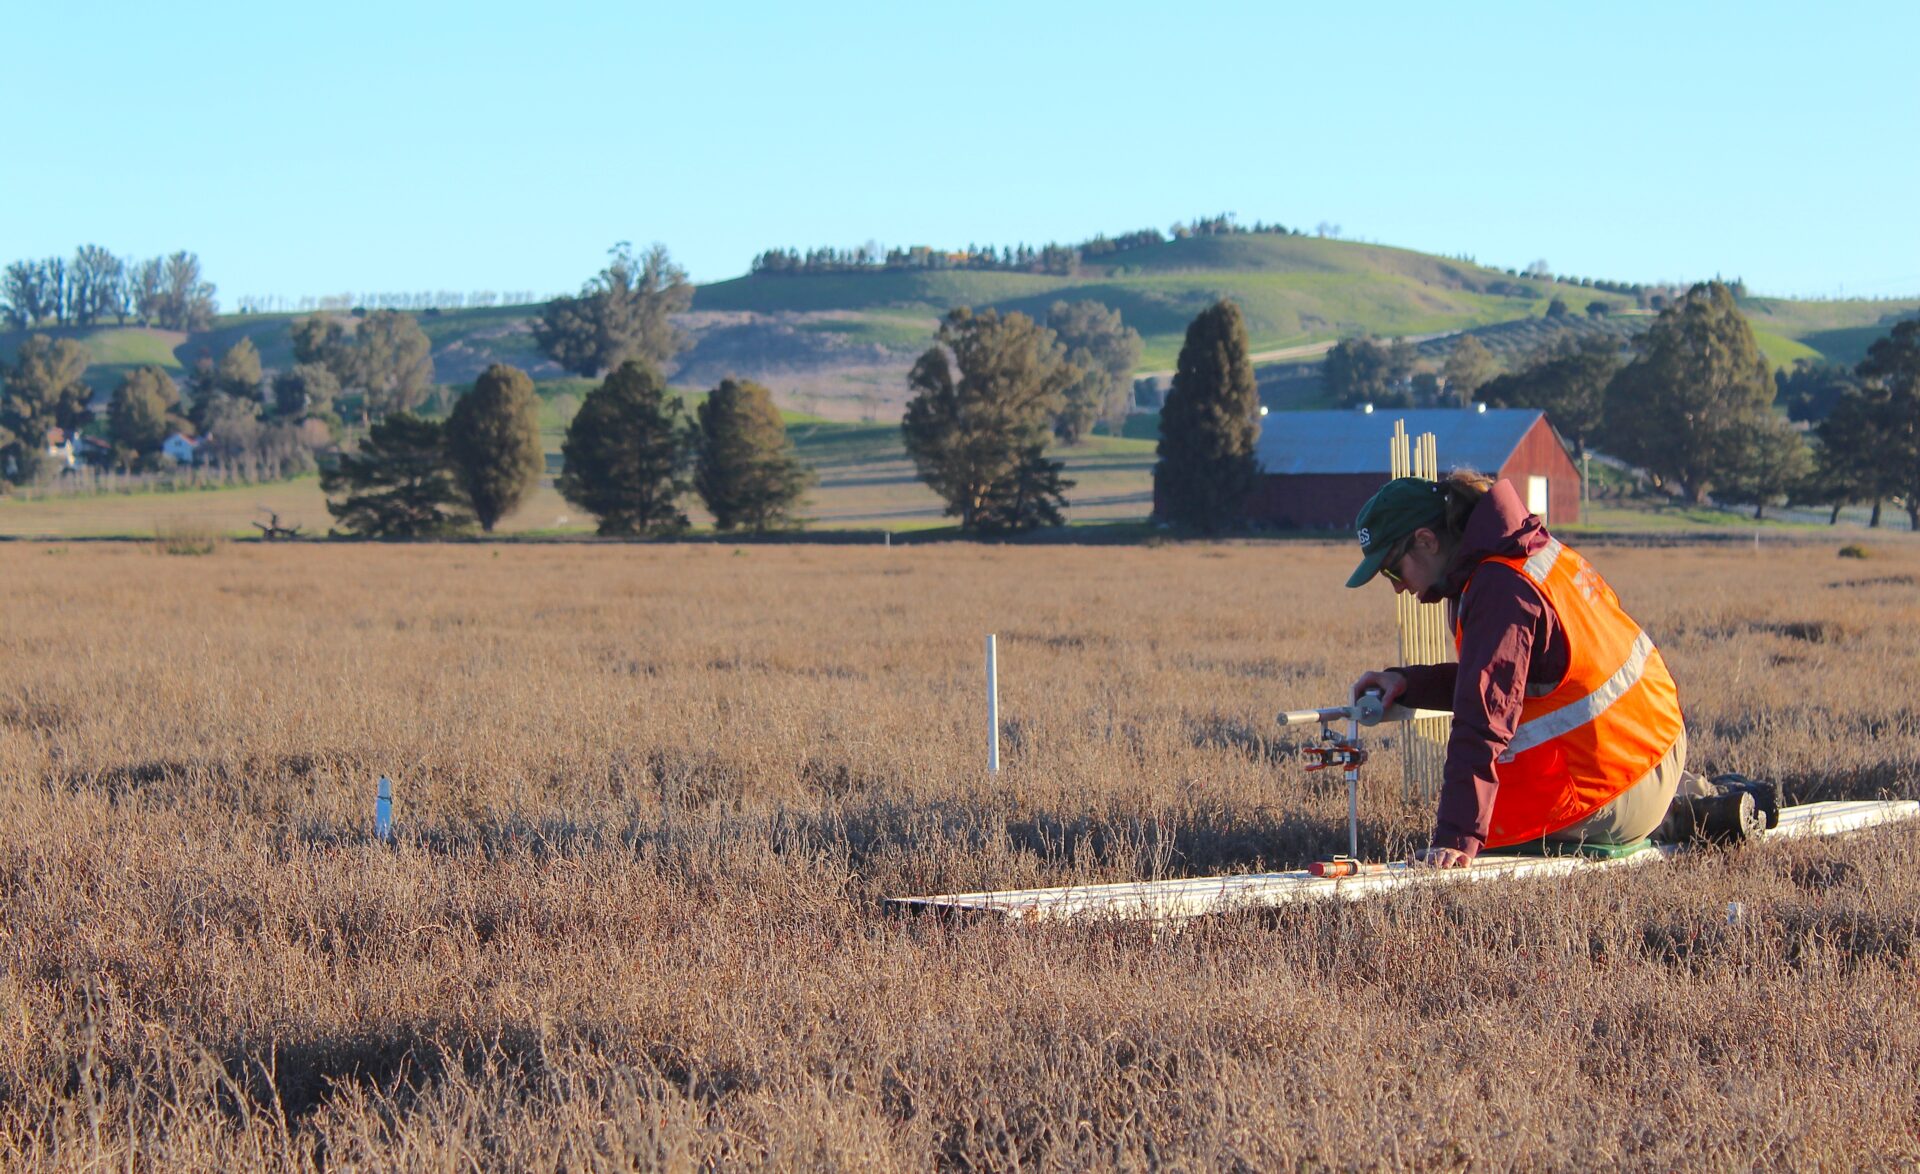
1541 561
1571 717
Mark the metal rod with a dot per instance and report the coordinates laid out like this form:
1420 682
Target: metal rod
993 706
1353 793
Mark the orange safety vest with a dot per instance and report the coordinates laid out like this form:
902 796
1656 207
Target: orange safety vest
1608 722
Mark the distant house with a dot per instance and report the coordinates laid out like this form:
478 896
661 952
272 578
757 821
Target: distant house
1319 468
180 449
59 449
92 451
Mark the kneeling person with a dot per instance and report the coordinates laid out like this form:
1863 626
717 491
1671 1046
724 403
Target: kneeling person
1566 723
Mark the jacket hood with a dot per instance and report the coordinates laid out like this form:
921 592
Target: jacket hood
1499 527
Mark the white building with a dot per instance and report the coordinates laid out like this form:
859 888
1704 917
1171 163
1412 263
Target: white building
180 449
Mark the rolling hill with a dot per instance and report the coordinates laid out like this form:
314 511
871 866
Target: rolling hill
840 344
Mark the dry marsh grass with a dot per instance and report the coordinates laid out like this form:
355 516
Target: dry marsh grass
648 799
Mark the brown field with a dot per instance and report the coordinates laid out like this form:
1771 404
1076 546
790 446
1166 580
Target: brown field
649 798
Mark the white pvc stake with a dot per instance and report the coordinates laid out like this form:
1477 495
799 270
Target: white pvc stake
383 811
993 707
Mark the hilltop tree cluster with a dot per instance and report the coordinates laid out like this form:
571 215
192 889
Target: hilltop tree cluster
429 301
1051 258
95 285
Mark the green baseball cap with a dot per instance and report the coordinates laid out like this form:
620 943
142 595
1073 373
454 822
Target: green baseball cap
1403 505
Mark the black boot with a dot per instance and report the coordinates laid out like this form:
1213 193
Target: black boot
1728 816
1765 792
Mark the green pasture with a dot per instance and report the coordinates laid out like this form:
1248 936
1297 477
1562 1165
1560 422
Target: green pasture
1292 290
1781 352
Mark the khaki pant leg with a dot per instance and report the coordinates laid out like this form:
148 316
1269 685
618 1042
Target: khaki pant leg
1636 811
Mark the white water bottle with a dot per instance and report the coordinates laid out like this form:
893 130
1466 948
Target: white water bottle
383 811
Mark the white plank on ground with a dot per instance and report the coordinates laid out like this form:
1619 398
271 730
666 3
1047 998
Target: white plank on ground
1172 900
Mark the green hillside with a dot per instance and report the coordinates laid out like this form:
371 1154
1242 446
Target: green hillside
1838 331
1292 289
818 339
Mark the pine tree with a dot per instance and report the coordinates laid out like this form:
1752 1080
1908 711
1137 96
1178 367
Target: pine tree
1689 403
1208 428
493 442
977 427
399 484
627 454
1892 370
747 472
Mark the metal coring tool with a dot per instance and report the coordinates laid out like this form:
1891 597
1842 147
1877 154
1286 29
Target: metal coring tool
1344 751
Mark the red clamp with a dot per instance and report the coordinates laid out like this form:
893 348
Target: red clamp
1341 754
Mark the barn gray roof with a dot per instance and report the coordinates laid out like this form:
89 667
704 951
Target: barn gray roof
1353 441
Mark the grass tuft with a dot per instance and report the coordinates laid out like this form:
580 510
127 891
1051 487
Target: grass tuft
186 536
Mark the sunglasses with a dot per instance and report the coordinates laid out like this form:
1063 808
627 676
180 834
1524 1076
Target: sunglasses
1400 551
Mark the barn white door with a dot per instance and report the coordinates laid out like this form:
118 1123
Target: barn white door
1537 496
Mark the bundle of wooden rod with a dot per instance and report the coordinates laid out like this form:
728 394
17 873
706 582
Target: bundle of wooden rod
1423 635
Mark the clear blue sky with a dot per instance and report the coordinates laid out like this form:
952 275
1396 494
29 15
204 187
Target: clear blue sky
362 147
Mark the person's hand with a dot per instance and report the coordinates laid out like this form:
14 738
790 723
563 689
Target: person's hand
1438 858
1389 683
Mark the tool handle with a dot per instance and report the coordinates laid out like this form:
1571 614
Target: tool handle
1308 717
1365 715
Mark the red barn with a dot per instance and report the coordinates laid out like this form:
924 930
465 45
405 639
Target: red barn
1319 468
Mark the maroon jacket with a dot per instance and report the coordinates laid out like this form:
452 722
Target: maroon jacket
1510 643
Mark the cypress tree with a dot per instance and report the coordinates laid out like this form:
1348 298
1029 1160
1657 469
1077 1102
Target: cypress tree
748 475
627 454
1209 425
493 442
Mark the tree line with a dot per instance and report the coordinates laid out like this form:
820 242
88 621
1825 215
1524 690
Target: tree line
1051 258
430 301
95 285
632 455
234 412
238 418
1692 401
